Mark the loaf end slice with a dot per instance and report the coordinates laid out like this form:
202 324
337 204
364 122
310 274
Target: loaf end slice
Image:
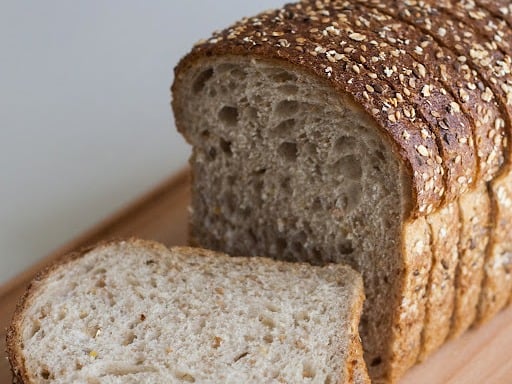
136 312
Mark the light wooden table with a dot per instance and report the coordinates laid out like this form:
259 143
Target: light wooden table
480 356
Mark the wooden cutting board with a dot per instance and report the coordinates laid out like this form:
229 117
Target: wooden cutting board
480 356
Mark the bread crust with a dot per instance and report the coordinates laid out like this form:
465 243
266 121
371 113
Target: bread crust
419 90
493 63
500 8
458 79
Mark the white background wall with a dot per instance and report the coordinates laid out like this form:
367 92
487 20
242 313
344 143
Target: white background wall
85 122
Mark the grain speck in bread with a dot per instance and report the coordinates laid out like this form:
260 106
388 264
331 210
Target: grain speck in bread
136 312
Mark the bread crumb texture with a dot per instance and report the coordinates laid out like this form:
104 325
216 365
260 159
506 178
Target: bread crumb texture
135 312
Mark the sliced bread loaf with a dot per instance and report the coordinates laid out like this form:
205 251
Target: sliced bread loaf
136 312
350 131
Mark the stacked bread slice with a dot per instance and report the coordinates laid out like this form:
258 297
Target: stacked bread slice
136 312
369 132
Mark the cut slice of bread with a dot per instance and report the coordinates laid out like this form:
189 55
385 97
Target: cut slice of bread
136 312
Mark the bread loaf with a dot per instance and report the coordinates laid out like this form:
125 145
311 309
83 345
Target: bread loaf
136 312
373 133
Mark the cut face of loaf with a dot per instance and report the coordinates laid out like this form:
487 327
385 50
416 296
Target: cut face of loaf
282 164
137 312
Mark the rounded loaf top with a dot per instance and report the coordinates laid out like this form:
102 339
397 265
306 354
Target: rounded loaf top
430 125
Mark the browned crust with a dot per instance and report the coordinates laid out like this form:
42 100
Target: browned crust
356 367
463 84
500 8
494 66
420 91
295 38
494 28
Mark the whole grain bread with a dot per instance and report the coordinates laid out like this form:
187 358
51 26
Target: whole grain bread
475 212
460 82
444 226
136 312
355 131
499 8
490 58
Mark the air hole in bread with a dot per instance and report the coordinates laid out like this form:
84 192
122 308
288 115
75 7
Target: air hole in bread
308 371
226 147
345 247
129 338
45 373
240 356
317 204
281 245
349 167
36 326
212 153
100 283
201 79
286 185
287 108
301 316
285 128
376 361
345 144
185 376
267 321
92 331
297 247
288 150
228 115
268 338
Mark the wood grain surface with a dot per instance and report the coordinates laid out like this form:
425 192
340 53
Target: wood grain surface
480 356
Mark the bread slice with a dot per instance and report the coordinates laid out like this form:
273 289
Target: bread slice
475 212
136 312
444 225
497 281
